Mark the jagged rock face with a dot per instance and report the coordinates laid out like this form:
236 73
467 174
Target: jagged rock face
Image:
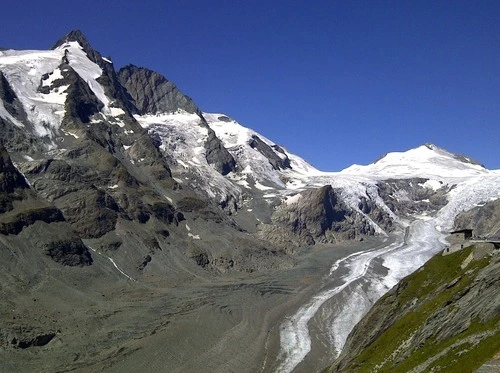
10 178
217 155
153 93
108 79
319 216
450 299
82 190
277 162
24 213
406 197
483 220
10 134
81 102
9 98
78 36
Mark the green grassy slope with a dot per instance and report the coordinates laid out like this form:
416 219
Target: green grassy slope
444 318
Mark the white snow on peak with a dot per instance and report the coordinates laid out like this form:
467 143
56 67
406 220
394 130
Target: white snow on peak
237 138
425 161
24 70
89 71
183 137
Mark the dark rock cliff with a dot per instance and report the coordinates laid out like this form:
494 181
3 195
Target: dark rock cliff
275 161
152 93
24 214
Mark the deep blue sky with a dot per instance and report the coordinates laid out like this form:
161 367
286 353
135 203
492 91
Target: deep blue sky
336 82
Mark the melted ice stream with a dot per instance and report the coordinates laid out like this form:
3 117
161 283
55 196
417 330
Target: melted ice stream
360 284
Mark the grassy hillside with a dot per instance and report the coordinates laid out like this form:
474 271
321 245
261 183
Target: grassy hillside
445 317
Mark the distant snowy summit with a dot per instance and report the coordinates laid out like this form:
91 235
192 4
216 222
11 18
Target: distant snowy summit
427 160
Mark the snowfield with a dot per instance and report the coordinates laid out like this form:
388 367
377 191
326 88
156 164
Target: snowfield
24 71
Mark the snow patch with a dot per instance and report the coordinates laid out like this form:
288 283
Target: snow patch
293 199
432 184
56 75
71 134
116 111
262 187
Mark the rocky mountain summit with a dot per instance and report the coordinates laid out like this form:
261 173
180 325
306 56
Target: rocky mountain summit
119 195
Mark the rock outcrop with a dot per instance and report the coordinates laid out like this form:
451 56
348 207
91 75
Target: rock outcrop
24 214
108 80
406 197
278 163
152 93
483 220
316 216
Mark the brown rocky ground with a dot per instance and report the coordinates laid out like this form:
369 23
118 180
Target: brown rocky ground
95 319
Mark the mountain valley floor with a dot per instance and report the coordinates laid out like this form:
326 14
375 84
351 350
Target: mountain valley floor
96 319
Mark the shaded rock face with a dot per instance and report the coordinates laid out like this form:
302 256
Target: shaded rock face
25 337
82 190
319 216
24 213
11 179
68 250
277 162
379 216
446 309
152 93
28 217
9 98
217 155
483 220
81 103
39 340
10 135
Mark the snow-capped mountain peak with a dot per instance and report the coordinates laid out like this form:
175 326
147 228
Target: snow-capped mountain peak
38 79
427 160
